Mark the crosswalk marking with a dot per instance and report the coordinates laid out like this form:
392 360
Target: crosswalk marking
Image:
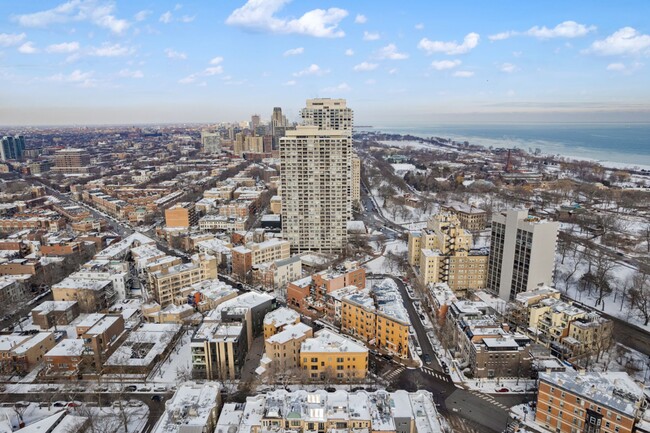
394 373
434 374
489 399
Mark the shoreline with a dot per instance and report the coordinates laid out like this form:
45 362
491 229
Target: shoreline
609 164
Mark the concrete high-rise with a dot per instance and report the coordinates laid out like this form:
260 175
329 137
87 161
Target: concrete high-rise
522 253
12 147
71 161
316 175
211 142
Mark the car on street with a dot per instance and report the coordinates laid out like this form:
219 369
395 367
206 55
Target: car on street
60 404
418 350
156 397
426 358
130 388
502 390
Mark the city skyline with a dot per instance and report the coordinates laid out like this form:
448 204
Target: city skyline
94 62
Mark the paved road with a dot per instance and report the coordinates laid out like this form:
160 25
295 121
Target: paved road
156 408
416 322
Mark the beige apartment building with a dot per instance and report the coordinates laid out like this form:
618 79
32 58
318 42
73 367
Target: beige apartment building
19 354
356 179
471 218
181 216
277 320
443 252
71 161
332 356
283 349
166 284
316 177
254 253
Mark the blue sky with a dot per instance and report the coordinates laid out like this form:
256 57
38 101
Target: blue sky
397 63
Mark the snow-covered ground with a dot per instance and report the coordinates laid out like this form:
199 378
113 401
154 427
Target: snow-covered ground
381 265
136 414
178 365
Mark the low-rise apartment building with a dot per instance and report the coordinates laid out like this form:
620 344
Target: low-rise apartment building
194 408
211 222
471 217
283 349
332 356
378 318
55 313
91 295
166 284
572 402
277 320
19 354
321 411
245 257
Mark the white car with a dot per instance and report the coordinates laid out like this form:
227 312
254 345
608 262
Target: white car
418 351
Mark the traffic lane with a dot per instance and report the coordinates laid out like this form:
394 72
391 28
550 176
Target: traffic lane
476 409
416 322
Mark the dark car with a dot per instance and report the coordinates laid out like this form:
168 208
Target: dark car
502 390
156 397
130 388
426 358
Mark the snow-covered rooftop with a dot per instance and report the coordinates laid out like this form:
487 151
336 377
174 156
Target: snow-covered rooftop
615 390
190 409
67 347
290 332
327 341
281 317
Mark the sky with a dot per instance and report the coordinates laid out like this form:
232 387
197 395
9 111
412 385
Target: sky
397 63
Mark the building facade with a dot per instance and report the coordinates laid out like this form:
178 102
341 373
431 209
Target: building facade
316 177
522 253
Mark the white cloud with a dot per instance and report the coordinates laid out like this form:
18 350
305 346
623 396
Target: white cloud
349 52
142 15
615 67
370 36
216 61
313 69
390 52
259 15
463 74
127 73
10 39
393 71
294 52
501 36
166 18
360 19
65 47
290 83
176 55
187 18
108 50
469 42
566 29
82 79
365 67
419 26
28 48
207 72
97 12
178 6
441 65
626 40
508 68
341 88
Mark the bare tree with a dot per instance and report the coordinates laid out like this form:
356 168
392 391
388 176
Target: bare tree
639 295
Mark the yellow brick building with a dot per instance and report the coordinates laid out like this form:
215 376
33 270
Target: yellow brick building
276 321
329 355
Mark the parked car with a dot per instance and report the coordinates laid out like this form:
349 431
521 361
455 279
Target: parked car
156 397
502 390
426 358
130 388
418 350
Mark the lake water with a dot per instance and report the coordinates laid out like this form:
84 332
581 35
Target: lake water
628 144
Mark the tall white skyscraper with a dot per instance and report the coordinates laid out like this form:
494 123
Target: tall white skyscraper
316 175
522 253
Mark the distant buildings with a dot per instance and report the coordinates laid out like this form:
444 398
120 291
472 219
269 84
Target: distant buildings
72 161
181 216
210 142
12 148
589 402
522 253
471 218
316 177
